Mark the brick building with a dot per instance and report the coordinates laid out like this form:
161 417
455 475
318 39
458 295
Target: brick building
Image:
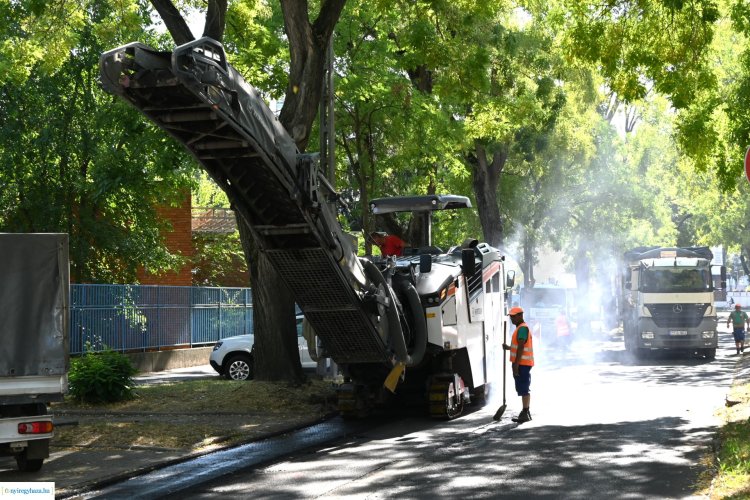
193 228
179 241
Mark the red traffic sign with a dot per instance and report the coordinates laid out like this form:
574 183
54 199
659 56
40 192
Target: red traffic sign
747 164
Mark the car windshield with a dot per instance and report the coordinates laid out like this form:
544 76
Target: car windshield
674 279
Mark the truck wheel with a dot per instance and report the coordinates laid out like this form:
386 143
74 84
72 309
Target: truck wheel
239 367
26 464
628 343
641 353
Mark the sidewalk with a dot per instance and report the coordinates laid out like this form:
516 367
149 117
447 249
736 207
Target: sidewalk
76 470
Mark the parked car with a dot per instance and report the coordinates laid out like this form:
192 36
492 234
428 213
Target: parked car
232 357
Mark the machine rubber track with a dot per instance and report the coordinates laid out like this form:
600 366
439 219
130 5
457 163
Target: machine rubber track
199 99
445 397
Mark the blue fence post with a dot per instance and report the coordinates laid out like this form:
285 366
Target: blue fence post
124 323
158 318
219 314
244 312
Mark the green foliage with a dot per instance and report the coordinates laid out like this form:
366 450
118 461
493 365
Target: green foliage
423 90
254 40
101 377
219 260
75 160
734 456
636 44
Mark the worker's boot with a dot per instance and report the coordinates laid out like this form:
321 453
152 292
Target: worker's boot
522 417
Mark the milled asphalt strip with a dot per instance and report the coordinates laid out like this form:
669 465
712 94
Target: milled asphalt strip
178 477
181 476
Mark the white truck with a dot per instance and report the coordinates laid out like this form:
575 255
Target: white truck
543 304
668 300
34 293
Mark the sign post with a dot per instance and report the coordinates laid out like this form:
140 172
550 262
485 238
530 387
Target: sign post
747 164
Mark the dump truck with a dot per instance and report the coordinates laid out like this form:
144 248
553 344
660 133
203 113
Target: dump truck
668 300
428 321
34 292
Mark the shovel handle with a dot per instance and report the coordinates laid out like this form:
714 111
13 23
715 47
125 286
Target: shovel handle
505 331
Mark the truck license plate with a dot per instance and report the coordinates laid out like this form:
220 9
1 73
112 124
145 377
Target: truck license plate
678 332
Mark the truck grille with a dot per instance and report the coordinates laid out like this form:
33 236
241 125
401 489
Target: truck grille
677 315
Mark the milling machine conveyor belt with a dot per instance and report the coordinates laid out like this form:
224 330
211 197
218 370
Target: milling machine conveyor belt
196 96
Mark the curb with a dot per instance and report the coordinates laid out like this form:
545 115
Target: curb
89 486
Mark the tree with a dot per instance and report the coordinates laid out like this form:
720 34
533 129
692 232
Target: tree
69 164
394 137
277 356
639 44
218 259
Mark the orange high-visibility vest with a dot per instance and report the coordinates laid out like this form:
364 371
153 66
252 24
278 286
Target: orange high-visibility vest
563 329
527 359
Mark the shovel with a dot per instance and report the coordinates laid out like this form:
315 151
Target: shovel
501 410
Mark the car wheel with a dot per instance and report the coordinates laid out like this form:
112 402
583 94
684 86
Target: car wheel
239 367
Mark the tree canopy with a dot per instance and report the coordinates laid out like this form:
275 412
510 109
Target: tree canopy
581 126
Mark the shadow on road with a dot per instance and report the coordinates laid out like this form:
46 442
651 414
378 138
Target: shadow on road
621 460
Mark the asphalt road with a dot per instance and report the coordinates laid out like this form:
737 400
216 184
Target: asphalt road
603 426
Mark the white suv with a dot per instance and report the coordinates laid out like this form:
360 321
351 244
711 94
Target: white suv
232 357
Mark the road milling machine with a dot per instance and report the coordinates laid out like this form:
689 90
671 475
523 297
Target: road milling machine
425 326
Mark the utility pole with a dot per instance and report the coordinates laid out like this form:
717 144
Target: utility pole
328 162
327 137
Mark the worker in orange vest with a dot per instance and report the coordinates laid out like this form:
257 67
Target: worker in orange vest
522 359
563 330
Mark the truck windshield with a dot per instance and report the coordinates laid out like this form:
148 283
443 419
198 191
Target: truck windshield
675 279
544 297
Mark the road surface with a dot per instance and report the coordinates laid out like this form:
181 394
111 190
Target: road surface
604 426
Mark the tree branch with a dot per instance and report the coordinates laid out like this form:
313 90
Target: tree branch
330 11
174 21
215 19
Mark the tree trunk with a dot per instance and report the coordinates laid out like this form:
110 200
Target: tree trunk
583 299
174 21
307 46
277 354
527 265
215 19
485 181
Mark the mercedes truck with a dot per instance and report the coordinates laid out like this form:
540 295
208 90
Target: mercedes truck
668 300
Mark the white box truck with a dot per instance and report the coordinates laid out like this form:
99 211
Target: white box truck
34 293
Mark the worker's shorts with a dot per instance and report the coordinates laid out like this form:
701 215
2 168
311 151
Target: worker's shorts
523 380
739 334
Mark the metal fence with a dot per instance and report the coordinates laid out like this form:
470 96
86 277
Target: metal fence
131 318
